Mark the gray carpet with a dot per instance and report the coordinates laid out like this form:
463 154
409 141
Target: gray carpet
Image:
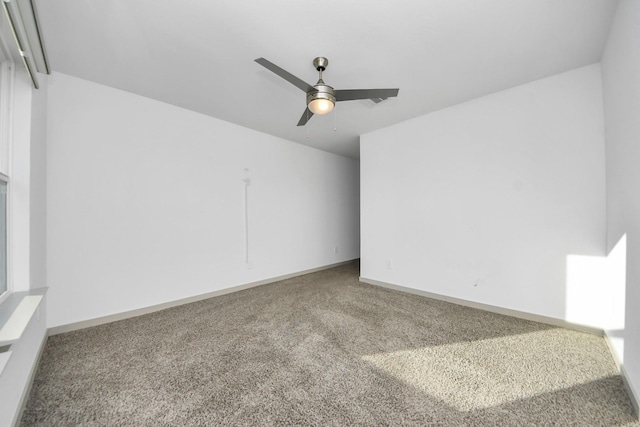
323 349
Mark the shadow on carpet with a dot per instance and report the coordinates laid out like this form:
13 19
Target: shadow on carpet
324 349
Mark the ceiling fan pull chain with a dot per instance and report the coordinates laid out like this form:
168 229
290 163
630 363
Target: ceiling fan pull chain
335 120
307 127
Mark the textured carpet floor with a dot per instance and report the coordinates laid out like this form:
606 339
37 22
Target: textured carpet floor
323 349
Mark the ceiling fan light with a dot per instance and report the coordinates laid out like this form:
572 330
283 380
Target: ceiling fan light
321 106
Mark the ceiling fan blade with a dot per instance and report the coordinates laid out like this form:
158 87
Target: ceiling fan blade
305 117
285 74
353 94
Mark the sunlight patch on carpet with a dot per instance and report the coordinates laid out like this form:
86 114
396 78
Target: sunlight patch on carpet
491 372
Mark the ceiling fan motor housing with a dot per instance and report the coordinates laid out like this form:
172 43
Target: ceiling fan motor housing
321 91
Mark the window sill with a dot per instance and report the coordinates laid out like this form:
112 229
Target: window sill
16 311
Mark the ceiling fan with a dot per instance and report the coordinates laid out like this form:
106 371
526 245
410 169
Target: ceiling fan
321 98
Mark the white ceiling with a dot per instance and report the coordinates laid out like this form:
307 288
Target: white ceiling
198 54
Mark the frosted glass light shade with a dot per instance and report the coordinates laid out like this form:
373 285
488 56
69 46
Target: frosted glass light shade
321 106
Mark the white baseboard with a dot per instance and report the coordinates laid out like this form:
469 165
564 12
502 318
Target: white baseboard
633 396
492 308
146 310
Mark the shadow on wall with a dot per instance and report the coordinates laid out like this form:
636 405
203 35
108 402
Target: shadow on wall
596 290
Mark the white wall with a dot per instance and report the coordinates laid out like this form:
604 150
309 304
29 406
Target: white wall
484 201
621 92
146 203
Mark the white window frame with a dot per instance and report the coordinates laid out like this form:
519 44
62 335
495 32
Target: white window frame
4 294
6 100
